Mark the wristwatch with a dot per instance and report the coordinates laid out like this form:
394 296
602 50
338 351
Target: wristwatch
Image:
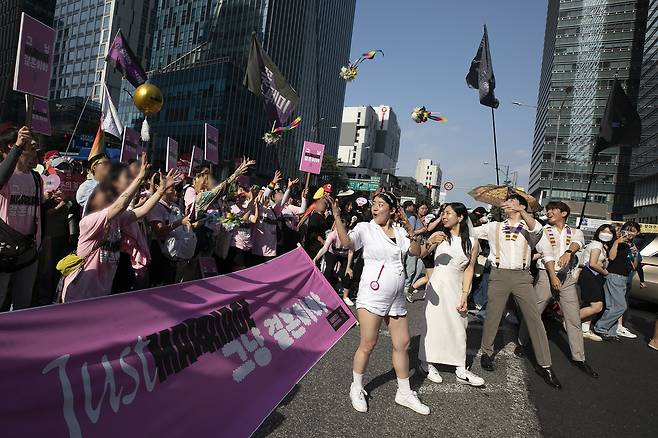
569 251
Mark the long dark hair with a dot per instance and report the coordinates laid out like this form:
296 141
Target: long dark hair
461 210
613 231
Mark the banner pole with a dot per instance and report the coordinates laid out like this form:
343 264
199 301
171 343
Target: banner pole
493 122
29 104
77 123
308 180
589 186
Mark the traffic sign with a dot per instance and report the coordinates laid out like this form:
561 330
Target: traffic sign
368 185
448 186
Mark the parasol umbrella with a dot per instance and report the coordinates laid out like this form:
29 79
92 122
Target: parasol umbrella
496 195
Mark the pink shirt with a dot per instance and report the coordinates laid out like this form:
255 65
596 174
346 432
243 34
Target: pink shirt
333 240
264 233
17 199
241 236
95 279
189 198
291 215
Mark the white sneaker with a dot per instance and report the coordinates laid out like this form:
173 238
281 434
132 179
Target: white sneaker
412 402
468 378
585 326
349 302
625 333
358 397
431 371
592 336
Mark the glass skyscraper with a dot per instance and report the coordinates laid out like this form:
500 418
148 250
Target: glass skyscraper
12 104
588 43
199 57
644 165
85 29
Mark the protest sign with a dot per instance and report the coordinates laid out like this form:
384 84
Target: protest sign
34 57
311 159
216 355
172 154
130 145
40 117
211 144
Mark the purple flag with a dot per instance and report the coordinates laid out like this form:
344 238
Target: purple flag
211 149
125 61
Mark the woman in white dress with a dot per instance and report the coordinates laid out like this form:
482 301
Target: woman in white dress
381 293
444 339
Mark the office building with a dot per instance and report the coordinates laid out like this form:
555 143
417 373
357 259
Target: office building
588 43
644 163
370 139
358 135
199 57
429 174
85 29
12 104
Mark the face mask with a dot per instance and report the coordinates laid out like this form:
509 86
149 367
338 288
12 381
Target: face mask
605 237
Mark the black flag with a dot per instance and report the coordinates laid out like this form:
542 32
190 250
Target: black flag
264 79
621 124
481 75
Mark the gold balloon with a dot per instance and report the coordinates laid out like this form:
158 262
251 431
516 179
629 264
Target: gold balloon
148 98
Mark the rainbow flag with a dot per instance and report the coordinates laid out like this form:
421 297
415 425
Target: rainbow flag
98 148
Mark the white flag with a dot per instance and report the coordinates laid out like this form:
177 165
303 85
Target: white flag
111 123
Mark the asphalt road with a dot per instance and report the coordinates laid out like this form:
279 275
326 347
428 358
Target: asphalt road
515 402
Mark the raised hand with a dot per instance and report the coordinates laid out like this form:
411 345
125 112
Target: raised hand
437 238
278 176
170 179
24 137
244 166
292 182
144 166
335 208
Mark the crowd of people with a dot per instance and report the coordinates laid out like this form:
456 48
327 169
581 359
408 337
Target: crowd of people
128 227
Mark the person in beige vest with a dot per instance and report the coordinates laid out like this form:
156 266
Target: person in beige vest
511 242
556 272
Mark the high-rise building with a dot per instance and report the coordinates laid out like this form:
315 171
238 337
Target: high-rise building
85 29
12 104
588 43
358 135
199 58
429 174
369 141
644 165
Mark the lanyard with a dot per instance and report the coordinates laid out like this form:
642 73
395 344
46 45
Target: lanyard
552 239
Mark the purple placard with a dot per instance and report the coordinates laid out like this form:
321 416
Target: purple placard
130 145
212 142
172 153
311 160
40 116
34 57
196 159
216 355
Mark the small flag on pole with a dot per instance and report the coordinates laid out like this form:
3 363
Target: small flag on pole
125 61
481 75
111 123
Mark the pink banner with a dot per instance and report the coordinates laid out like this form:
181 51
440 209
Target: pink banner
212 142
34 57
204 358
40 117
311 160
172 154
130 145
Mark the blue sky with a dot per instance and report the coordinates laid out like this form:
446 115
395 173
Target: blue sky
428 46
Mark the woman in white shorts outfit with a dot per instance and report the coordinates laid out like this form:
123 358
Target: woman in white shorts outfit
381 294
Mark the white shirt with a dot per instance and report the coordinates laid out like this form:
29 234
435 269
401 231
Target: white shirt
382 257
603 254
552 251
512 251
